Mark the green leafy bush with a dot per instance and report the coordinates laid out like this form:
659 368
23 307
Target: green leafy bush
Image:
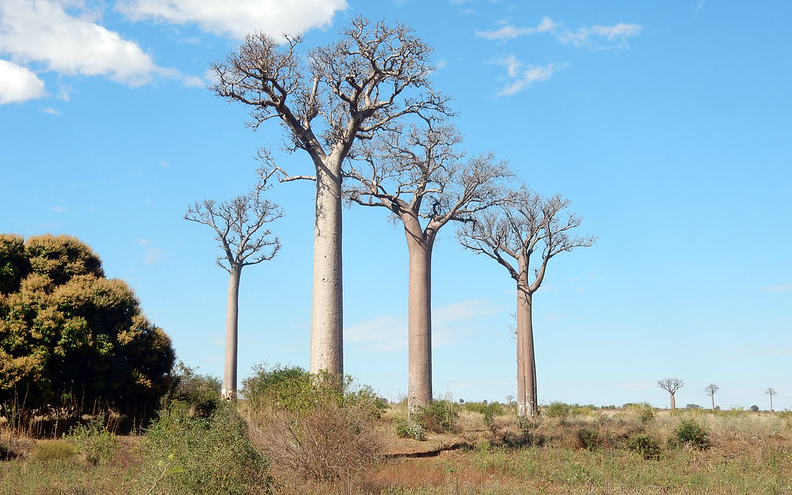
189 454
644 445
691 433
558 410
200 394
94 441
587 438
440 416
409 429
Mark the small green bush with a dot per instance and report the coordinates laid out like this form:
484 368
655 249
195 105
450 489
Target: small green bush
94 441
199 393
409 429
558 410
691 433
644 445
188 454
587 439
440 416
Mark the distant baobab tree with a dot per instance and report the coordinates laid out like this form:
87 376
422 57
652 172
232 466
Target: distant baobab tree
417 175
671 385
711 389
771 392
523 225
239 228
327 99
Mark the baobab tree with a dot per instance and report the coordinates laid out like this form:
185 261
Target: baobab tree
524 225
711 389
671 385
771 392
239 228
417 174
347 90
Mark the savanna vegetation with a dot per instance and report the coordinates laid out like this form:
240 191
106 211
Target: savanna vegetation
296 433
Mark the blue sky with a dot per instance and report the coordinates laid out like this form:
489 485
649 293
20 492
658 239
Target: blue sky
667 124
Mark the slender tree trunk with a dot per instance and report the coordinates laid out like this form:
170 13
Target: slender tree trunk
229 390
327 322
526 361
419 320
673 401
713 402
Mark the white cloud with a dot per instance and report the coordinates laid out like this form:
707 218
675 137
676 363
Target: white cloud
42 31
523 76
510 32
50 111
18 84
59 209
599 37
239 17
778 288
596 37
389 332
151 254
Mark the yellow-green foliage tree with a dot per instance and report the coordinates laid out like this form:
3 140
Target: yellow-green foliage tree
71 339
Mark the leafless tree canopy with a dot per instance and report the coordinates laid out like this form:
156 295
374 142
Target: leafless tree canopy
417 172
373 75
525 224
239 227
711 389
670 385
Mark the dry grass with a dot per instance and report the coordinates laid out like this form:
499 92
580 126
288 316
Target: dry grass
751 453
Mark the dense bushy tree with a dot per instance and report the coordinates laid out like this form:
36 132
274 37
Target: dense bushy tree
71 338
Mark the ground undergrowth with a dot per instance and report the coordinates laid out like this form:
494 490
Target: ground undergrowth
306 440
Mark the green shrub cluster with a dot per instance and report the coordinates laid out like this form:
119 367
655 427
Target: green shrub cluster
644 445
94 441
440 416
691 433
409 429
185 453
588 438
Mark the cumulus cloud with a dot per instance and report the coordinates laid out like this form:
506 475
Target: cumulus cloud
18 84
63 36
522 76
237 18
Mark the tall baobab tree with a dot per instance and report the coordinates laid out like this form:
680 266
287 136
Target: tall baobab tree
711 389
771 392
239 228
524 225
417 174
671 385
344 91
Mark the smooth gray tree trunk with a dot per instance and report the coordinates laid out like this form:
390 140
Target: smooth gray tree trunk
419 319
327 349
229 390
526 360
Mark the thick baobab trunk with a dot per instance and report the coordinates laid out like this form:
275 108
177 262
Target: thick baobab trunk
526 360
327 311
229 390
673 401
419 321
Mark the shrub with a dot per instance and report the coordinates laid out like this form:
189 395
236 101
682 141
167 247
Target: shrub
94 441
558 410
199 394
644 445
311 426
691 433
188 454
409 429
587 439
440 416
